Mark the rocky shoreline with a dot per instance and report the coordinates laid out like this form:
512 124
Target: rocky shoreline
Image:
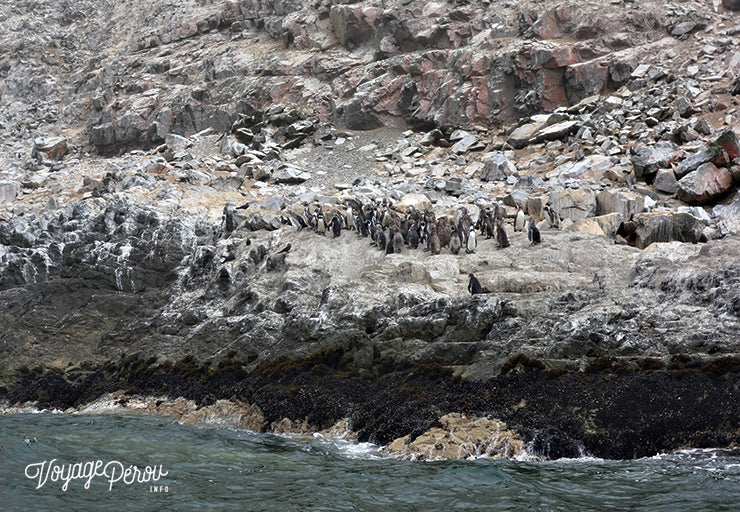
609 410
224 208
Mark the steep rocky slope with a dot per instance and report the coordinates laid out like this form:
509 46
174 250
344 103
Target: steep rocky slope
154 155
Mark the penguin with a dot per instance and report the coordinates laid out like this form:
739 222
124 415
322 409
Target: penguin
552 217
380 240
397 242
349 218
320 224
424 235
413 237
389 249
501 237
474 286
445 234
455 244
533 234
284 249
472 242
336 226
519 220
308 217
434 244
487 223
464 223
497 214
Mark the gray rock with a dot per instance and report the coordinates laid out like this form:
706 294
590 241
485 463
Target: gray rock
728 217
667 226
275 204
573 204
497 167
522 136
665 181
557 130
54 148
622 202
646 160
693 161
227 183
464 144
9 191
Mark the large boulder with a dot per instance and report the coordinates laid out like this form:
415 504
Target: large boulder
704 184
693 161
497 167
53 148
666 226
622 202
573 204
728 217
646 160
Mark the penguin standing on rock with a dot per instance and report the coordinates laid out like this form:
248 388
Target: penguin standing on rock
474 286
455 244
320 224
501 237
472 241
551 216
519 220
336 226
533 234
413 236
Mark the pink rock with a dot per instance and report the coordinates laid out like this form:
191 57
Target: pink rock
727 140
704 184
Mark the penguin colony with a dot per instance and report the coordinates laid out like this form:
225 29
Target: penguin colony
392 232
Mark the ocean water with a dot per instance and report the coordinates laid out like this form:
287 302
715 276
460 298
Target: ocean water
183 468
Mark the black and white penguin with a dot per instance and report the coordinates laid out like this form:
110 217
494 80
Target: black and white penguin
397 242
349 217
533 233
474 286
519 220
379 237
552 217
320 224
336 226
472 241
413 236
308 217
501 237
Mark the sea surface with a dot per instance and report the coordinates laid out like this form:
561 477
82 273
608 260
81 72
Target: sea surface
182 468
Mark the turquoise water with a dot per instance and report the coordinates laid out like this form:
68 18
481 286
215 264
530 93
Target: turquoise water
223 469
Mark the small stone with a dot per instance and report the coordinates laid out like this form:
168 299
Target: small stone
463 145
8 191
640 71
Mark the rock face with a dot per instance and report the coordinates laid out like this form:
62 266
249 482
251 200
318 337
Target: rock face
215 200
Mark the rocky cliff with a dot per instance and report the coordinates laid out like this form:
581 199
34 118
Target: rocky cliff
170 173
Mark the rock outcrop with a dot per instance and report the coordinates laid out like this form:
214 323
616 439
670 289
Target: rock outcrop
215 200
